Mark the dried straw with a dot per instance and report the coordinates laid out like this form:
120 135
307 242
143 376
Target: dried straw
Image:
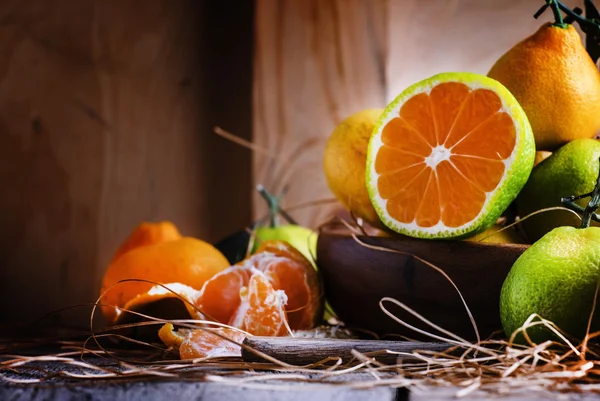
493 365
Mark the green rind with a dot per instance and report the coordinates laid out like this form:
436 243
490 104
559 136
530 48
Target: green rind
502 196
555 278
571 170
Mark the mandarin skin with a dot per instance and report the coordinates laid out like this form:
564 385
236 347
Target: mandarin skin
557 84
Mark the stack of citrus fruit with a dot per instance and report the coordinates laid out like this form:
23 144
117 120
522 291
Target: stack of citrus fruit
444 159
558 85
448 156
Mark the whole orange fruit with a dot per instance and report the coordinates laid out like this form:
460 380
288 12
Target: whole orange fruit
186 261
557 84
148 234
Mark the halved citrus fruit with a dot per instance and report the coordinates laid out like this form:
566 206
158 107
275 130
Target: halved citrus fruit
448 156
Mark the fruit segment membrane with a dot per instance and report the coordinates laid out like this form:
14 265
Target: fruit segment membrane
442 154
275 288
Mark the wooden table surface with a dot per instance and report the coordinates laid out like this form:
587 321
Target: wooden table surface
151 390
183 390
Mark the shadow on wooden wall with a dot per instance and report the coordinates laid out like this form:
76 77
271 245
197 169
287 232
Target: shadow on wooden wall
106 116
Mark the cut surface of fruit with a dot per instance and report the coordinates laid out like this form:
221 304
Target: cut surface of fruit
256 287
448 156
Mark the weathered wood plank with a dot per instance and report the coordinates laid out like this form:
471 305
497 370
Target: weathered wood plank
186 390
304 351
315 63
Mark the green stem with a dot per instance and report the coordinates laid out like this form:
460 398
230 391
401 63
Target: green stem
558 17
273 204
590 24
274 209
588 213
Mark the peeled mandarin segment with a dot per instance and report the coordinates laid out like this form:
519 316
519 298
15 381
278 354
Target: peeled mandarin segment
391 159
480 105
290 277
204 344
494 139
417 113
261 311
301 314
461 200
485 174
220 296
447 99
399 135
404 205
429 213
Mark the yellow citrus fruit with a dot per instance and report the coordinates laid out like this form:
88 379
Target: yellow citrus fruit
448 156
345 161
557 84
497 234
540 156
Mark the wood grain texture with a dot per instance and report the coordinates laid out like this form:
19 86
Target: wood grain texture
106 116
432 36
315 63
318 61
356 278
304 351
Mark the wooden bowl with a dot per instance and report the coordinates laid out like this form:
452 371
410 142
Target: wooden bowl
356 278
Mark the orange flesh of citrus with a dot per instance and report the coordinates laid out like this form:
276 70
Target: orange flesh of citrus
442 154
285 270
300 282
220 296
261 311
204 344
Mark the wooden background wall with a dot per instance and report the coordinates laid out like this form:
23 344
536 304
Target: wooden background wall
107 109
318 61
106 116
